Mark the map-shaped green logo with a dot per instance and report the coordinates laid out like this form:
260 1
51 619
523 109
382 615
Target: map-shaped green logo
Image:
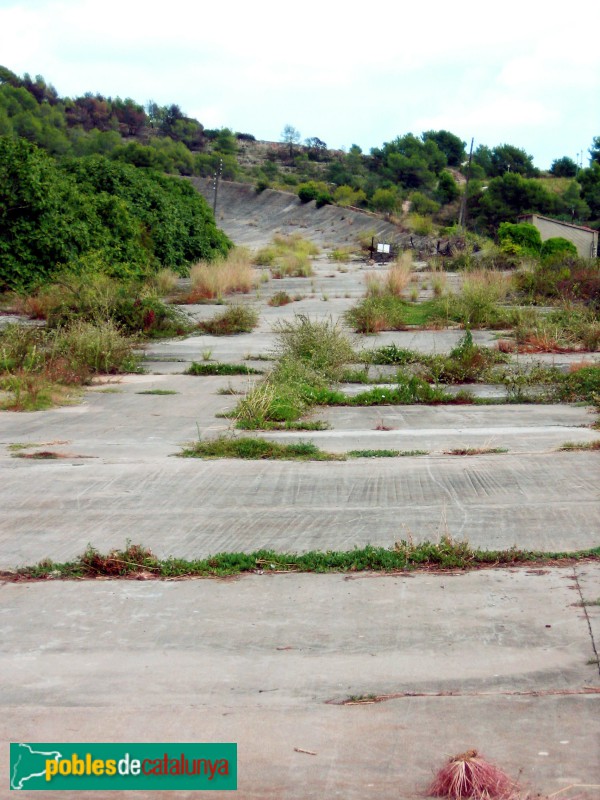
28 766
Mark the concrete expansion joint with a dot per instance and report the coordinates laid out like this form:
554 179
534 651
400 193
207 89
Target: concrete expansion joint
587 618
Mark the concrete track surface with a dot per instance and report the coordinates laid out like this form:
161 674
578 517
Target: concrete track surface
505 661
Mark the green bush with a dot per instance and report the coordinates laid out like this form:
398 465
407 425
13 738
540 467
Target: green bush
525 236
235 319
125 220
421 204
558 246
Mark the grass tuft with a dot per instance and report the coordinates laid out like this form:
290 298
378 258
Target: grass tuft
219 368
571 446
256 449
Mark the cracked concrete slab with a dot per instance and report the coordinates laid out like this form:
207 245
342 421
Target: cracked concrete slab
107 660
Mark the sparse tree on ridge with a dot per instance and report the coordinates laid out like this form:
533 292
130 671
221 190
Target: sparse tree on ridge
290 136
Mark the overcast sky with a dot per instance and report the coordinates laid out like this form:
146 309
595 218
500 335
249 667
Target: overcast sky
518 72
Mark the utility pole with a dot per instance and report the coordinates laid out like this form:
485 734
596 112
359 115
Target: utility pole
462 217
217 177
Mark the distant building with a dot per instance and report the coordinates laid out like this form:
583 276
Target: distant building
584 239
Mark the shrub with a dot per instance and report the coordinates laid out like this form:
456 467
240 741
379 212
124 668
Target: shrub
523 234
421 204
558 246
347 196
321 344
235 319
421 225
323 199
377 313
311 191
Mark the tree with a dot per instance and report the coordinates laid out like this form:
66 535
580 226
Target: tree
452 147
317 149
447 189
508 196
508 158
594 150
563 167
590 187
290 136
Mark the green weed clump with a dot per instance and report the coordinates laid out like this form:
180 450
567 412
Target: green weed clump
218 368
256 449
234 320
478 303
582 385
280 299
320 345
386 453
466 362
585 446
310 354
378 312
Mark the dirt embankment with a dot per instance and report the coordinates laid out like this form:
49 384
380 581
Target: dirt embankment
250 218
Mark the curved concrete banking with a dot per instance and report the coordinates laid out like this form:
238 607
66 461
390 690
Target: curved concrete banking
251 218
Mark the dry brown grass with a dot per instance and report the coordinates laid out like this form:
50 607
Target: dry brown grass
577 365
215 279
399 275
165 281
392 282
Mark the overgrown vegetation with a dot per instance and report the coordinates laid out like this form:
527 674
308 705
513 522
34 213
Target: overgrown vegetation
213 280
234 320
41 367
288 256
135 559
95 213
133 306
